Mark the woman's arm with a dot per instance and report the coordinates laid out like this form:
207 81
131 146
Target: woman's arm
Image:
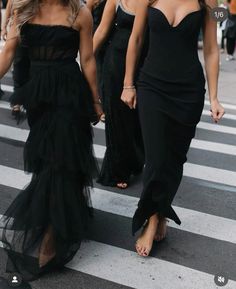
90 4
6 19
211 57
84 24
133 52
105 25
8 51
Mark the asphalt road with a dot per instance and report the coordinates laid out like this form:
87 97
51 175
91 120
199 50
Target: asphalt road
192 254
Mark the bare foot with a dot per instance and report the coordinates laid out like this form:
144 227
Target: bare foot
161 229
122 185
47 248
145 241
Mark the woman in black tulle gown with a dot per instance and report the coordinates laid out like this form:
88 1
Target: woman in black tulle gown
44 225
124 153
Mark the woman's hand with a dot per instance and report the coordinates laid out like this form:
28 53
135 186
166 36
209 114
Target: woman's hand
217 110
129 97
4 33
99 111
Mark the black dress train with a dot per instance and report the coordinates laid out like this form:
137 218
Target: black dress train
49 216
170 97
124 154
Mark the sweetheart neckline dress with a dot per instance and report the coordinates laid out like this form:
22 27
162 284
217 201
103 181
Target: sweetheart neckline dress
170 98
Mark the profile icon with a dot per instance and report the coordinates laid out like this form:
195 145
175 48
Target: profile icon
15 279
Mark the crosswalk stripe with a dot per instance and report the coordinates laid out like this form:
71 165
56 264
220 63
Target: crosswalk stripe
217 127
201 125
127 268
10 88
192 221
7 88
214 147
18 134
226 116
206 173
6 105
225 105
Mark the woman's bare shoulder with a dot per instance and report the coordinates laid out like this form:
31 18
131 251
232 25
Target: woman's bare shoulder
83 18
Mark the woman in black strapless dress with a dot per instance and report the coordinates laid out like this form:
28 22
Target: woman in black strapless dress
124 153
170 97
44 225
97 8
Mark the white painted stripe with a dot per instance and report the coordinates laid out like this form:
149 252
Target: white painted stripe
226 116
192 221
5 104
225 105
127 268
7 88
220 176
210 174
214 147
217 127
10 88
201 125
18 134
13 133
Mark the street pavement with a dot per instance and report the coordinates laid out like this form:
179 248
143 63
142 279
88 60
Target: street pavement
204 246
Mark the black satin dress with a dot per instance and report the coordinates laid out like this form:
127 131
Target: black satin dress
58 153
124 154
170 96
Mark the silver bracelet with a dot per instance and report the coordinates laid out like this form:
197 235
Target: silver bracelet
129 87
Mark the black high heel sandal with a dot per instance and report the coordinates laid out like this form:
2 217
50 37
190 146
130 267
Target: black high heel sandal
17 113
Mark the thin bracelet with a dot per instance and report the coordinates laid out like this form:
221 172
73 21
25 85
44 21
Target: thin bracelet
129 87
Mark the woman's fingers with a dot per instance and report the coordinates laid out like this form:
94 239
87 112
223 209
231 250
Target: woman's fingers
214 115
129 98
217 115
220 115
135 102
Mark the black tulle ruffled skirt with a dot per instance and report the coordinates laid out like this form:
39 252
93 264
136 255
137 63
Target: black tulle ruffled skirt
43 227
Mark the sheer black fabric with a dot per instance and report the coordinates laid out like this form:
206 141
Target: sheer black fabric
124 154
43 227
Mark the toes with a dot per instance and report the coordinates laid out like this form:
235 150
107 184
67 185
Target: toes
122 185
138 248
145 252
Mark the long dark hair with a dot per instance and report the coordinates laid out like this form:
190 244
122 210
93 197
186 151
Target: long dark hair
203 4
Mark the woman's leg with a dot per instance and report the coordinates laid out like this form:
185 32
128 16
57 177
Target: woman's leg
166 144
154 129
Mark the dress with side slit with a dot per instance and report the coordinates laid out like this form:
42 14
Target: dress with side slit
170 97
44 225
